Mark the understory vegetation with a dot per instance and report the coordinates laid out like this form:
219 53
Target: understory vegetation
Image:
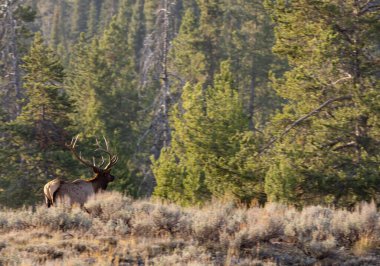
114 229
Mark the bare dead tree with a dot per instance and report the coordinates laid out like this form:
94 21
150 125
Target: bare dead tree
165 77
154 70
10 81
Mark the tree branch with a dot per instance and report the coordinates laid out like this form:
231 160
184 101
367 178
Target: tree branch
303 118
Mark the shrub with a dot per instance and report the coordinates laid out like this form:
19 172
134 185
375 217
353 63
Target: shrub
61 218
190 255
207 226
349 227
259 225
117 226
320 249
115 229
170 219
16 220
45 252
109 205
2 245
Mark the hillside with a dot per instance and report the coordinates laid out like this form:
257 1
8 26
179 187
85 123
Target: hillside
215 103
119 231
263 101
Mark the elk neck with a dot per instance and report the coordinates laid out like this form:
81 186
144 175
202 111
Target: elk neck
99 182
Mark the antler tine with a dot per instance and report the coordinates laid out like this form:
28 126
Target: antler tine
109 157
100 148
106 142
116 160
113 161
102 163
105 150
71 146
75 141
97 143
112 158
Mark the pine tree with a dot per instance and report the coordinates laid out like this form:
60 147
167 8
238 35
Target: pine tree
179 177
325 143
38 135
248 36
210 25
188 61
121 94
79 18
150 8
47 103
87 73
241 33
102 85
121 91
94 17
210 148
137 33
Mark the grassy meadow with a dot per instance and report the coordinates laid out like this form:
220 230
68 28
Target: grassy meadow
116 230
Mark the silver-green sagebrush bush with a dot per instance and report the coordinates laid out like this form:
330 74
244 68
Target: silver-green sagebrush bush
112 228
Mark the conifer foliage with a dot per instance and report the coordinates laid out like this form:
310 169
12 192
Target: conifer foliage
252 101
206 158
40 131
47 105
328 132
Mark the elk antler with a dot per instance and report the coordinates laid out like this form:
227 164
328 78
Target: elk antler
71 146
112 159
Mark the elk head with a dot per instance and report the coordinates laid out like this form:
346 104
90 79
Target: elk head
102 171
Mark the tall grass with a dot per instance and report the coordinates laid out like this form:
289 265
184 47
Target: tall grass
115 230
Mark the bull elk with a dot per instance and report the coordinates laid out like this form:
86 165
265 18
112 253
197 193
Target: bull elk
78 191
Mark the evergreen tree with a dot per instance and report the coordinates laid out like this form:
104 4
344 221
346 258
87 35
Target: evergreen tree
38 135
120 120
325 149
47 102
80 17
137 33
248 36
101 82
150 8
94 17
209 155
188 61
87 74
241 33
211 25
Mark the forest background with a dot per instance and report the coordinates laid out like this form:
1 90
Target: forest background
245 100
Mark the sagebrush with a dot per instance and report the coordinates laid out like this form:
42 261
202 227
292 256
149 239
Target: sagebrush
114 229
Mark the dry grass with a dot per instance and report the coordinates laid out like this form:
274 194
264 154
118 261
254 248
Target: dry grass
114 230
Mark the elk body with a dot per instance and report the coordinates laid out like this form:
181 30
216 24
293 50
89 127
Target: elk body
78 191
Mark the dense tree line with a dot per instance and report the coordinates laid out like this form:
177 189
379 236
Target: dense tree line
245 100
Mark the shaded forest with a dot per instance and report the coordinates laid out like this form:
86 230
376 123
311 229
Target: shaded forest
245 100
